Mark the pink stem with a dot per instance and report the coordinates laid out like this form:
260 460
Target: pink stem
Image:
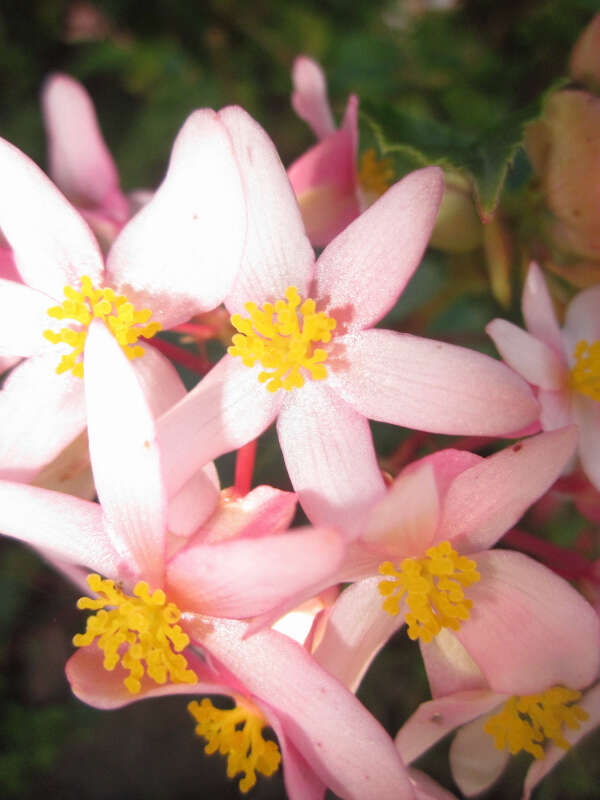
244 467
182 356
197 331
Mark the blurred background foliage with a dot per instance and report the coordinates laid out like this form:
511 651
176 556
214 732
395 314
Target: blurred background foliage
439 76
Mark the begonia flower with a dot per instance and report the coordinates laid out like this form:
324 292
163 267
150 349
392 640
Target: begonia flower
563 365
172 603
177 257
493 725
323 369
430 537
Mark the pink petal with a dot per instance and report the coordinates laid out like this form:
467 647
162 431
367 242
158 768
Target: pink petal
357 628
435 719
426 788
475 761
557 411
330 458
67 527
277 253
489 498
324 181
528 629
244 577
538 311
587 416
8 269
428 385
162 388
404 521
23 320
180 254
124 454
41 413
301 783
228 408
309 98
346 747
363 271
554 754
532 358
582 320
449 667
96 686
79 161
52 244
262 512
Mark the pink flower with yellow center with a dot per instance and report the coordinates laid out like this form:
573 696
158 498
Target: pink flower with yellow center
308 354
562 364
166 611
178 256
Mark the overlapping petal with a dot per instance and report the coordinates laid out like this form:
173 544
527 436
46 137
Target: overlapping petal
338 737
277 253
62 248
244 577
23 319
228 408
124 454
475 761
180 254
538 310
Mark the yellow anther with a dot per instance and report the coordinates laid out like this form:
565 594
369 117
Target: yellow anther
237 734
434 589
527 721
135 630
81 307
282 343
585 375
375 175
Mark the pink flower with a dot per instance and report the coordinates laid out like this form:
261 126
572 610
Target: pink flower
326 736
325 178
359 371
178 256
480 714
563 365
516 609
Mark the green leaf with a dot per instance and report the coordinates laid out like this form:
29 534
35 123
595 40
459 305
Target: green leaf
414 141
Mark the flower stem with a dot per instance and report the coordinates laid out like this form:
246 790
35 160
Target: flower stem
244 467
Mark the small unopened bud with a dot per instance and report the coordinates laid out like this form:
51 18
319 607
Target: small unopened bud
458 229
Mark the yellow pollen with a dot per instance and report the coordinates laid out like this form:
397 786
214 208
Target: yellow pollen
434 589
144 624
237 734
375 175
527 721
124 322
585 375
282 343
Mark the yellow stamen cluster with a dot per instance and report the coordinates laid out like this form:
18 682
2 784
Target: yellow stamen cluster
434 588
282 343
144 624
527 721
585 375
124 322
237 734
375 175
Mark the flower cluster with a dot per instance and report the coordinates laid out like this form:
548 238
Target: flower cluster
199 590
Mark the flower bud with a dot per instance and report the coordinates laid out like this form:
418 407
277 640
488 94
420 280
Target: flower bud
458 228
